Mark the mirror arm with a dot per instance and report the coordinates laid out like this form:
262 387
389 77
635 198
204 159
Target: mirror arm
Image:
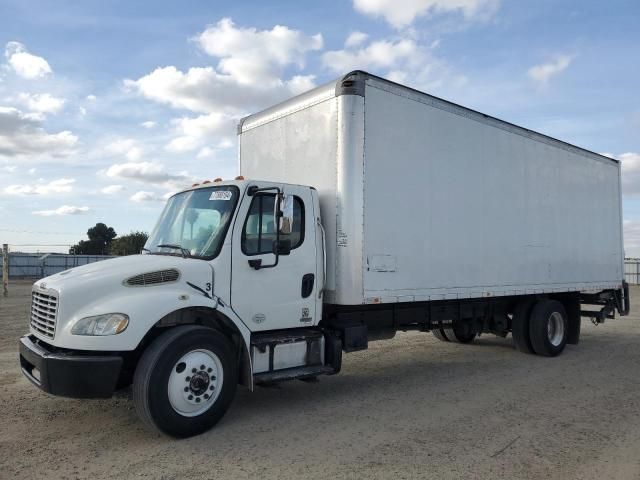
256 264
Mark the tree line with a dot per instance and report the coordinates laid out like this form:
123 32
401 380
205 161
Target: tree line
104 240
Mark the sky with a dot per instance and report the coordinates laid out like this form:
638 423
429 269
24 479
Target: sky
106 108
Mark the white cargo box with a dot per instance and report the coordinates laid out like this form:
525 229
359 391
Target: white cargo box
423 199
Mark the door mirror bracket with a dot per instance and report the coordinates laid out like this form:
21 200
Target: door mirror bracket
255 263
282 219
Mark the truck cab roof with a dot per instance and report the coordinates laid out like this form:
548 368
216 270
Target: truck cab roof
241 183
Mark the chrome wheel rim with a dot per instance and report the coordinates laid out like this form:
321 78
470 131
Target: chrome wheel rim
195 382
555 329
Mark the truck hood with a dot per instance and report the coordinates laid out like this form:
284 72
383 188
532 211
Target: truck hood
100 288
119 269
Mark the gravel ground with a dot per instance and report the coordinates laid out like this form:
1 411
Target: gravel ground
411 407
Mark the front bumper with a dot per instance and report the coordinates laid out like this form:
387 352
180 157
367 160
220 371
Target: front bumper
68 373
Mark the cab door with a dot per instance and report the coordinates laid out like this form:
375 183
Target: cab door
282 296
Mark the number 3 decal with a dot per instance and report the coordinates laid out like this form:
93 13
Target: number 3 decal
208 287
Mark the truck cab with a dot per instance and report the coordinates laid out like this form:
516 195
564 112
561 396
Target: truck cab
226 262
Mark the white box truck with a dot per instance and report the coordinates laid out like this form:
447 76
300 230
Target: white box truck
364 208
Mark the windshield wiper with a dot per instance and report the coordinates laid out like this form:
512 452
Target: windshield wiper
184 251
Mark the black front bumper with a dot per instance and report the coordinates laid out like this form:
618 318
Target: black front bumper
68 373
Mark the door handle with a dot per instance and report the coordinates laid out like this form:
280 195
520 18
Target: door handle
307 284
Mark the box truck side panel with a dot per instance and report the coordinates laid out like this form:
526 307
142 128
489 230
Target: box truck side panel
459 208
298 146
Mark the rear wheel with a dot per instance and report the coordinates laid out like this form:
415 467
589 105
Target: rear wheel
458 336
520 325
548 328
185 381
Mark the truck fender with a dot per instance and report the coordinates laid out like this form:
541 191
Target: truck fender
219 316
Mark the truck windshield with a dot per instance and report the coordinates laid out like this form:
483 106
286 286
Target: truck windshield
195 222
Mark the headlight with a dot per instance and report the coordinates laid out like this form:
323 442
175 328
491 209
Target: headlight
107 324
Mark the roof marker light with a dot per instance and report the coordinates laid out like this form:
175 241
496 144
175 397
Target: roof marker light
195 184
206 181
239 177
218 180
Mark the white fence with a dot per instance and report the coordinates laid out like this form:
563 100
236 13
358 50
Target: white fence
632 271
37 265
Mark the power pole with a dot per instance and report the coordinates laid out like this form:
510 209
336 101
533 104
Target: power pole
5 268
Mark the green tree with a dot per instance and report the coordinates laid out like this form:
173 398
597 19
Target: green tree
129 244
100 238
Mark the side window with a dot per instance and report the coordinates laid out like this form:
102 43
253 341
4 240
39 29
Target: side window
259 230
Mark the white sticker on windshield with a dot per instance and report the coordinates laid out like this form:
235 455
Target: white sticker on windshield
221 195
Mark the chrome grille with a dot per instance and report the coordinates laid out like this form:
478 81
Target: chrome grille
153 278
44 309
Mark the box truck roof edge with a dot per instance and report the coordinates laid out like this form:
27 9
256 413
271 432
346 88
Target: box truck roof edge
353 84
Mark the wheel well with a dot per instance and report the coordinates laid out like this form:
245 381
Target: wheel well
204 316
571 303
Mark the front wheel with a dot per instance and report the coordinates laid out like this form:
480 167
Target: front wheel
185 381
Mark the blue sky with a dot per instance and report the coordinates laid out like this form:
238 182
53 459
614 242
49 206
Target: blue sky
107 107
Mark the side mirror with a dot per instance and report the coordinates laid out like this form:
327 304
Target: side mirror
283 247
284 214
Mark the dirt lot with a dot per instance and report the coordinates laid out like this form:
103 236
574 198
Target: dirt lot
412 407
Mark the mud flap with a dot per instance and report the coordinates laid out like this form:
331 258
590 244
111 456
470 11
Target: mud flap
572 307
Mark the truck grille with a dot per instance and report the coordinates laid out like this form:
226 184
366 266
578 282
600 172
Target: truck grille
44 308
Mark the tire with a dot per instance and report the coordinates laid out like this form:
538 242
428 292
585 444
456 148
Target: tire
165 372
458 337
440 335
520 325
548 328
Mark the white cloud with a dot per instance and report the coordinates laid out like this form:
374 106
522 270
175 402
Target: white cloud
249 73
10 168
61 185
148 124
63 210
21 134
147 172
202 89
378 54
111 189
193 133
91 98
24 63
134 154
255 57
401 13
41 102
126 147
630 172
205 152
144 196
355 39
542 73
300 83
402 60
